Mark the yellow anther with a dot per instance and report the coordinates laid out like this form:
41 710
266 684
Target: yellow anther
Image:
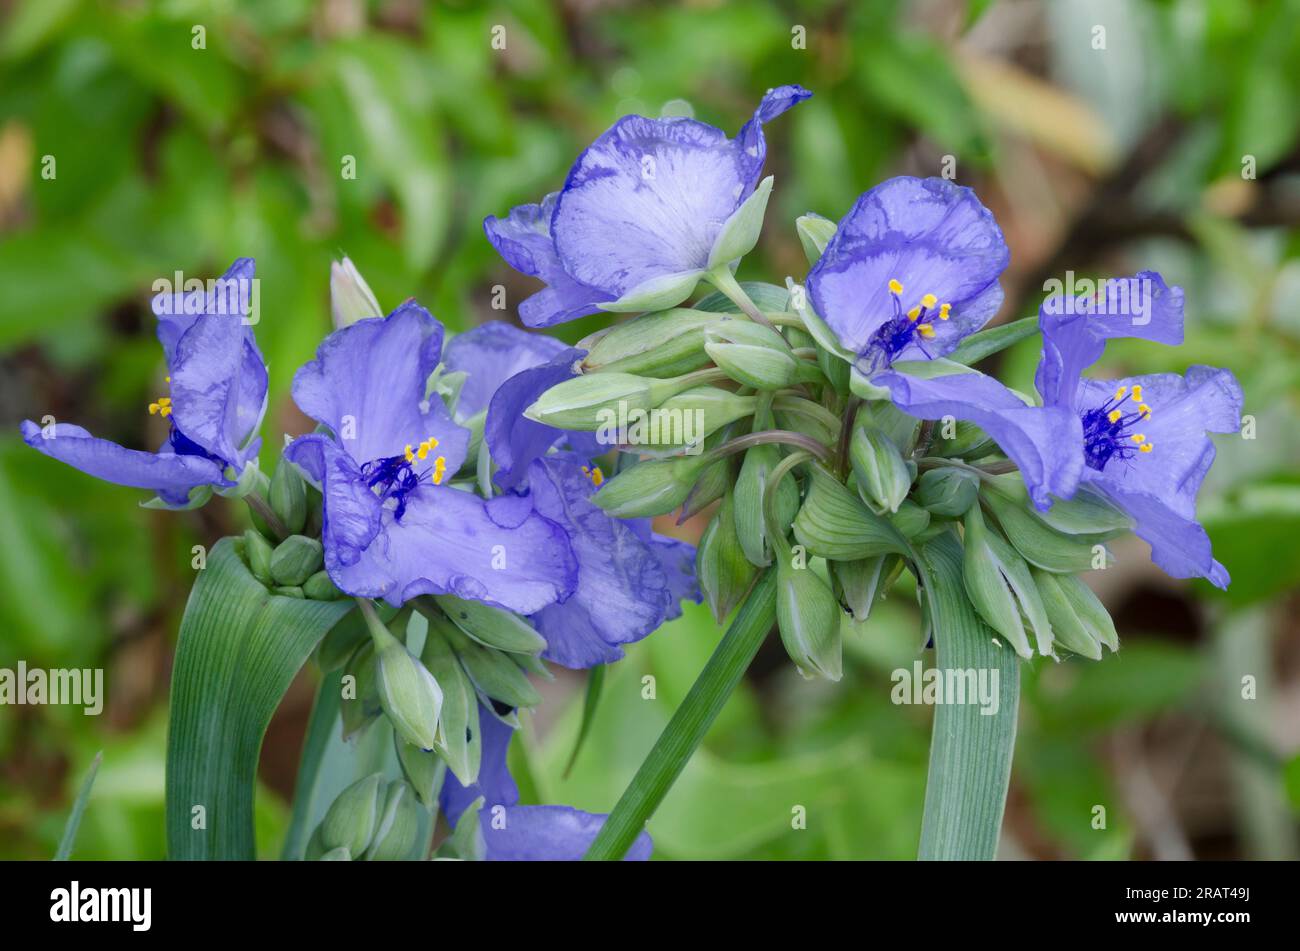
597 477
925 330
1139 438
1145 447
167 379
153 408
439 469
410 456
943 311
895 286
1121 392
162 408
433 442
423 451
929 300
1137 393
1114 415
1145 410
914 313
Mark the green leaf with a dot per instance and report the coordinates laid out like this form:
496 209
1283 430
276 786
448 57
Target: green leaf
591 700
740 232
238 650
970 753
78 809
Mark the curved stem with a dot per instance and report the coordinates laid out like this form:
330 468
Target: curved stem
779 436
691 721
1002 467
266 514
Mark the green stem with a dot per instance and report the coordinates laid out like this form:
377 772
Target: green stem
970 752
691 722
783 437
267 514
722 278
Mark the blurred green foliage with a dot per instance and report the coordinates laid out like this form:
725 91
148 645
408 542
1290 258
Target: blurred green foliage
139 139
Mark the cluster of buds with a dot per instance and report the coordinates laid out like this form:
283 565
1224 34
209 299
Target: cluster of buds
817 475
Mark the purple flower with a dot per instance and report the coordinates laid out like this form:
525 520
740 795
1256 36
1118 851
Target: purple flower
218 395
1141 441
1144 439
393 525
629 580
515 833
639 214
911 270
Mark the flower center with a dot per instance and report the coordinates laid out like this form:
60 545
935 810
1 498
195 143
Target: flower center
395 477
1108 429
904 327
594 474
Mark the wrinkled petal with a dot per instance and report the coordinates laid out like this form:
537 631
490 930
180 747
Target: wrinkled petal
368 383
513 439
352 513
1075 330
548 834
495 784
451 542
218 376
677 558
1158 489
490 354
648 198
750 143
933 237
1179 545
623 592
170 475
1045 442
524 240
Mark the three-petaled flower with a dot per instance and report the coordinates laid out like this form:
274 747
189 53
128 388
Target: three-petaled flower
218 385
639 218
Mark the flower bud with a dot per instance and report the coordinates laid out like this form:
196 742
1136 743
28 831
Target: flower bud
968 442
712 483
407 691
653 487
808 616
865 581
1038 542
883 477
1080 622
359 705
459 744
752 354
492 672
590 402
662 344
352 817
351 298
423 769
1000 587
398 825
834 523
751 527
288 496
319 587
258 552
490 626
947 491
724 572
296 559
815 232
686 419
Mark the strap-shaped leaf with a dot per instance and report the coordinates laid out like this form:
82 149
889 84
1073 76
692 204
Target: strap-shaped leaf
239 649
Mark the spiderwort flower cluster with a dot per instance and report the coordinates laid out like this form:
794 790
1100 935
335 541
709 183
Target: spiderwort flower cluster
473 497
